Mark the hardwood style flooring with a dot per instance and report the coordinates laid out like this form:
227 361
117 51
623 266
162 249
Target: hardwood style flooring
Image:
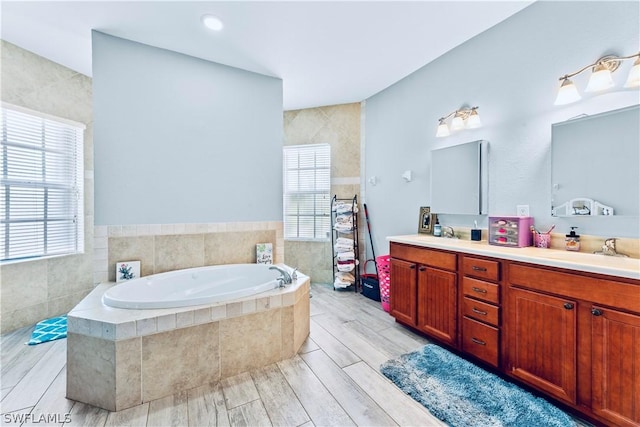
333 381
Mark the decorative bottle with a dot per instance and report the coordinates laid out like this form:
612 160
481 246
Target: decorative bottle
572 241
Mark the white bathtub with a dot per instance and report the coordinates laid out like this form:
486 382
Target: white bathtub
193 286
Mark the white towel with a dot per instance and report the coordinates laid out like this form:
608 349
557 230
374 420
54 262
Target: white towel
344 241
345 256
346 267
343 248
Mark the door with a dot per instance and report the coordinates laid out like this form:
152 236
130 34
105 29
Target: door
542 342
437 303
402 291
616 366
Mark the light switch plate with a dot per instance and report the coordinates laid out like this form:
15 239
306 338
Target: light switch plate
522 210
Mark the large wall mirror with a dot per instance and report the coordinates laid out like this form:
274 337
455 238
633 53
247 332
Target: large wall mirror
459 179
595 165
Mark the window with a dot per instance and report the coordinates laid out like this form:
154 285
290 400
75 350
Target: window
41 188
307 184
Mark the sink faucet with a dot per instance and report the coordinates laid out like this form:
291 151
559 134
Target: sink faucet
448 232
609 248
285 278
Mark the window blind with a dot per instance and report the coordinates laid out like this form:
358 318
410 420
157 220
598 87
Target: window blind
41 190
307 187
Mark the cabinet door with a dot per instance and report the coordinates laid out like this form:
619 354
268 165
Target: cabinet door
437 303
402 292
616 366
542 342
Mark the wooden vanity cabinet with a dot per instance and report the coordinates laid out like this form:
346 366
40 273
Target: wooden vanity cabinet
572 335
428 279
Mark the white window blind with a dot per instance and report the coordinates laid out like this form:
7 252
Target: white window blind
307 187
42 194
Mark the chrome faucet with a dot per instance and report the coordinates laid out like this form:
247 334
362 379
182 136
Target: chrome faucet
448 232
285 278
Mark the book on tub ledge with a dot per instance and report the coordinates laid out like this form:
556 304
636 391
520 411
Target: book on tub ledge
264 253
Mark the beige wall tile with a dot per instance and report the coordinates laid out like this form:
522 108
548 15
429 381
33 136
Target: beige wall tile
235 247
175 252
34 82
301 313
250 342
128 373
23 284
69 274
288 330
179 360
138 248
62 305
91 370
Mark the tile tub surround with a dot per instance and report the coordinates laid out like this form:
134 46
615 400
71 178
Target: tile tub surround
167 247
118 358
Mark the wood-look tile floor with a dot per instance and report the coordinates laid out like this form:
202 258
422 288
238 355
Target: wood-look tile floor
333 381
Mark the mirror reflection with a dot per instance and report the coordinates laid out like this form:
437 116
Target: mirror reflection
595 165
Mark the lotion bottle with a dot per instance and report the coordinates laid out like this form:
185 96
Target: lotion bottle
572 241
437 228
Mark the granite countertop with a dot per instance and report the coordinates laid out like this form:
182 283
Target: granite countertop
580 261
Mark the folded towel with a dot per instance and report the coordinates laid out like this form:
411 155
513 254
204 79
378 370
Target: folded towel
345 256
343 228
349 266
344 241
340 248
345 277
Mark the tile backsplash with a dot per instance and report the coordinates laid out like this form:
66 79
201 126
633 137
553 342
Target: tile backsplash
167 247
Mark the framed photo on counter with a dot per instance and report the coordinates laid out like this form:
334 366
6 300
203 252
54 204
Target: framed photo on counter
424 224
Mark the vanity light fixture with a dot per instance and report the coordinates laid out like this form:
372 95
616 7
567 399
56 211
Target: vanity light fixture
212 22
463 118
600 78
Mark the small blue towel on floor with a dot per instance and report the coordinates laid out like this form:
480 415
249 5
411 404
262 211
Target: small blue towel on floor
49 330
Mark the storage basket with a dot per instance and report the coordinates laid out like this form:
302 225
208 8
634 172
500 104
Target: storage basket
370 284
384 279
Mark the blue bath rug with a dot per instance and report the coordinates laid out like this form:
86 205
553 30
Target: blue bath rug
49 330
462 394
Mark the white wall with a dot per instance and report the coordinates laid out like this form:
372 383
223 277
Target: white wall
511 71
183 140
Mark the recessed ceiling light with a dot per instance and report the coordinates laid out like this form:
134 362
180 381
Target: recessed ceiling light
212 22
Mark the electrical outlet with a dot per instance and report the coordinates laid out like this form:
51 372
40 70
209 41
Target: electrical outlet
522 210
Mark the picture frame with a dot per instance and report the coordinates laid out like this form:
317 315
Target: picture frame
425 220
127 270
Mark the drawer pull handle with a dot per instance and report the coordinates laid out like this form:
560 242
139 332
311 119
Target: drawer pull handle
476 268
477 341
479 290
475 310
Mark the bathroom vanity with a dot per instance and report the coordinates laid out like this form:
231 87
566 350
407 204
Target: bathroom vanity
566 324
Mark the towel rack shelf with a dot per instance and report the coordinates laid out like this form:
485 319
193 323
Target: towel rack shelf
344 243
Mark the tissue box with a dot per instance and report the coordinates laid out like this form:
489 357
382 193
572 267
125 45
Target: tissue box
510 231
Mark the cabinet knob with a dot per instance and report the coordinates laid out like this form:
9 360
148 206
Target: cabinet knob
412 266
422 269
596 312
568 306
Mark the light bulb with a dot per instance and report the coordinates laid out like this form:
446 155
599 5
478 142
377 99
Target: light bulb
473 121
567 93
443 129
212 22
457 123
634 75
600 79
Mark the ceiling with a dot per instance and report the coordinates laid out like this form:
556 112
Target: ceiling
325 52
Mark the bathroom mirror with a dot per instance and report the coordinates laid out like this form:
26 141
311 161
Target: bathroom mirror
459 179
595 165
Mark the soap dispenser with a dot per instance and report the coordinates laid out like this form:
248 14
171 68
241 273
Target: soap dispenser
572 241
437 228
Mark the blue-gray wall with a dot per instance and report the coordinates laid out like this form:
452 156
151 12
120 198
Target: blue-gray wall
182 140
511 71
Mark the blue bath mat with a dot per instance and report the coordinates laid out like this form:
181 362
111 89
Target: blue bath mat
462 394
49 330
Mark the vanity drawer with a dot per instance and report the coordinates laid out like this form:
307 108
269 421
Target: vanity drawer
480 289
432 258
481 268
480 340
481 311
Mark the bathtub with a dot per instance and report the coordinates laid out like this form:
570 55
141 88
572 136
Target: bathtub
192 286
